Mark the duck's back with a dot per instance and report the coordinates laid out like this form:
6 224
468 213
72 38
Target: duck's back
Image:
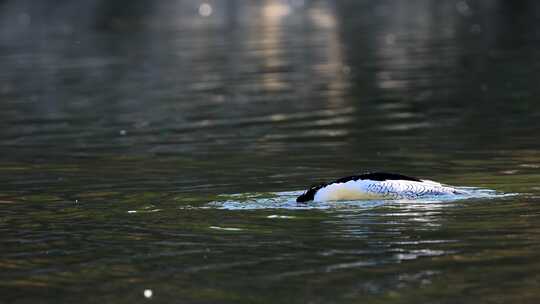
377 185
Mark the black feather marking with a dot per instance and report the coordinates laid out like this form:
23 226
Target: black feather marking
309 195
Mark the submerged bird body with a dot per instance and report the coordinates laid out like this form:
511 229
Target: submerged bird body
376 185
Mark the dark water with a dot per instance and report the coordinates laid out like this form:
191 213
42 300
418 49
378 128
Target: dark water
128 128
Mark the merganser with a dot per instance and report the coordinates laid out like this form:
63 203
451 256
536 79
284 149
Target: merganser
376 185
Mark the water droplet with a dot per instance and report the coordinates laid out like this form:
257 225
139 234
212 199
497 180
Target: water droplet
148 293
24 19
390 39
205 10
476 29
225 228
275 216
463 8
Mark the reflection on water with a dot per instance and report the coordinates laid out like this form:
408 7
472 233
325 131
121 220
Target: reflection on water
127 126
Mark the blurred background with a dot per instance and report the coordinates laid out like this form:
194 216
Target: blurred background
265 79
109 107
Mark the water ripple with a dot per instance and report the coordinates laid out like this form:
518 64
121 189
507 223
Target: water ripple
287 200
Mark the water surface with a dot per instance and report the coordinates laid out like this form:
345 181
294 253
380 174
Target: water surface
140 140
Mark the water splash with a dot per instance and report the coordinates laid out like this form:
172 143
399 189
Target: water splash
287 200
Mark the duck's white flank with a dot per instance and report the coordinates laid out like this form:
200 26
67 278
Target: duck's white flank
370 189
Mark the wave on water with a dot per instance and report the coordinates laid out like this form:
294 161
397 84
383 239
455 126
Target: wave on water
287 200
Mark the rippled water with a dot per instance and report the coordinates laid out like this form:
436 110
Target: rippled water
146 146
287 200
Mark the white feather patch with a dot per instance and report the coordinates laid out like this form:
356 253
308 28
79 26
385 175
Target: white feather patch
370 189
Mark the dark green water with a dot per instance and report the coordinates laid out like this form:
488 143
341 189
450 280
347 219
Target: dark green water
124 128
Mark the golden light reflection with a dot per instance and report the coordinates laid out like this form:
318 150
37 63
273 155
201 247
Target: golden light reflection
273 12
281 20
323 17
